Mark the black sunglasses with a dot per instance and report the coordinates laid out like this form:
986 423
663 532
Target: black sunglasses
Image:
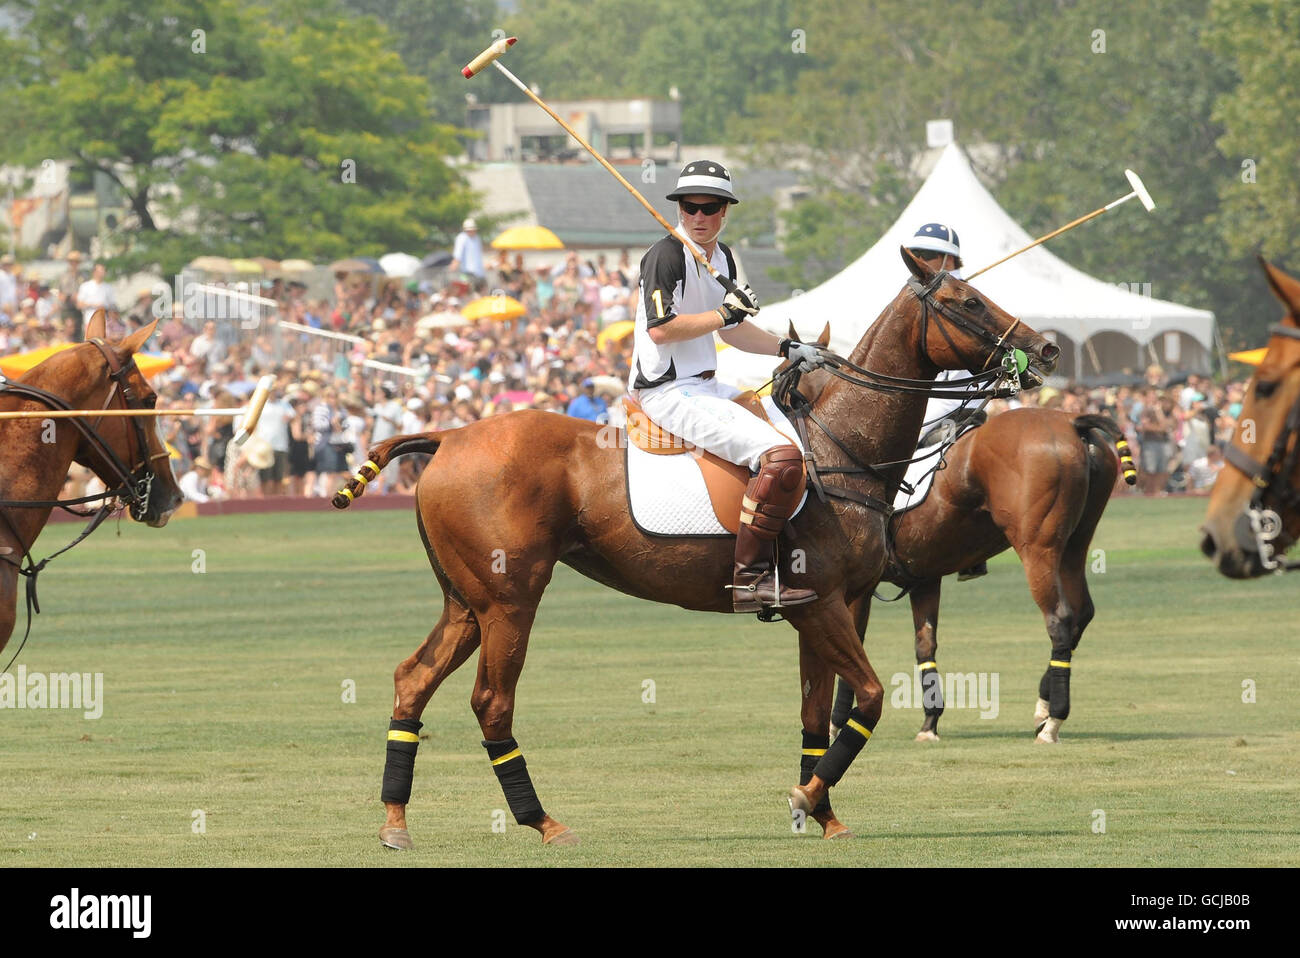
708 209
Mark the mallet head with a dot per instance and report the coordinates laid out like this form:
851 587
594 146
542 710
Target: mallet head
488 55
1136 182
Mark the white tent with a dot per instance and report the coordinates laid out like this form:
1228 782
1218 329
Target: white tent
1101 327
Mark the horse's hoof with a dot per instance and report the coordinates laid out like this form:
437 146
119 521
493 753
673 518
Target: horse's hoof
799 801
836 830
398 839
927 736
1049 734
566 837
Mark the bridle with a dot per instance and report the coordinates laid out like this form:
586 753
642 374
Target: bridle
1258 527
135 483
1000 382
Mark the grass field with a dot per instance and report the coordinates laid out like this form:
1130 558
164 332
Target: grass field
223 693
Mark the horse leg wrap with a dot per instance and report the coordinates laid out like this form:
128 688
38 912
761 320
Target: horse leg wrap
931 689
830 768
512 772
399 766
843 702
1057 681
814 747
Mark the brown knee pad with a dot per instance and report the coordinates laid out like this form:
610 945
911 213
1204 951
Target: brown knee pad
773 494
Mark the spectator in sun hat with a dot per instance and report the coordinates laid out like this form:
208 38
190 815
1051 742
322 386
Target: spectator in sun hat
94 293
467 254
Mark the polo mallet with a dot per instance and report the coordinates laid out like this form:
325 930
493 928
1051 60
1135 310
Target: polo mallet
1139 191
251 413
492 55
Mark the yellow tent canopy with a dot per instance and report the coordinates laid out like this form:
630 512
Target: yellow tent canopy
19 363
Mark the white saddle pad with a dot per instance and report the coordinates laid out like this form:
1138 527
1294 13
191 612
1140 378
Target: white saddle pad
667 493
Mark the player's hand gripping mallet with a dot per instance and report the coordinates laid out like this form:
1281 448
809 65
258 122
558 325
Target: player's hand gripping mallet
1139 191
492 55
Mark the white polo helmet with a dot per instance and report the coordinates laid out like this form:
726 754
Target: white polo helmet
706 177
937 238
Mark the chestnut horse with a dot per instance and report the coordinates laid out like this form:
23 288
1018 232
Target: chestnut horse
1254 509
35 454
506 498
1036 480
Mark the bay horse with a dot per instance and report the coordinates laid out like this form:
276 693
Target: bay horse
504 499
1036 480
1254 508
35 454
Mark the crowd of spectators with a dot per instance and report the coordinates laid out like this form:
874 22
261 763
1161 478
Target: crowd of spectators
428 371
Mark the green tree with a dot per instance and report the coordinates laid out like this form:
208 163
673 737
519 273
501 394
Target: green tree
1260 191
715 57
436 38
282 129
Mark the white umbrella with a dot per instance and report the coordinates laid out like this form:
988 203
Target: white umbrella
399 265
444 319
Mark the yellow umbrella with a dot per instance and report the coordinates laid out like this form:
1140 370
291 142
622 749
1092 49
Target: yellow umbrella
246 266
499 308
615 333
527 237
212 264
1252 357
19 363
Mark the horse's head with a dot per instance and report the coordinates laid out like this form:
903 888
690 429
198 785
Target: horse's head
1255 504
134 440
961 328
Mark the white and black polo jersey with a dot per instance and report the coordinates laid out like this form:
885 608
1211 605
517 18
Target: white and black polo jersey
673 283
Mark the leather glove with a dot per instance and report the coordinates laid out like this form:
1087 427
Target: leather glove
807 356
737 306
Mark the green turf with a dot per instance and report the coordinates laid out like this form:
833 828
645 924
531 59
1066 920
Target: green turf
224 694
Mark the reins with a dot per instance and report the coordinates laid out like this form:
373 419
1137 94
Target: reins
996 383
132 491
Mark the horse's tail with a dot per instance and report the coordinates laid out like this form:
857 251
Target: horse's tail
1083 425
381 456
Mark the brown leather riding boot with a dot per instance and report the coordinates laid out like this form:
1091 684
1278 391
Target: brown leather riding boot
754 579
770 500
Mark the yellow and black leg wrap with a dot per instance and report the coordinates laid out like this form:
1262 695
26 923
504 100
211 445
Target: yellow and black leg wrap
814 747
830 768
931 690
1055 686
1126 461
512 772
399 766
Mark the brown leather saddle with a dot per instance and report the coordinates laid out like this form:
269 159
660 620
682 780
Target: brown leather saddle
725 481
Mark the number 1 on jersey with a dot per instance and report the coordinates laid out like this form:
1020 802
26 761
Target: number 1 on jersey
658 297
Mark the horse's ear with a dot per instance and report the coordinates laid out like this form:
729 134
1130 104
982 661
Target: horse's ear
825 338
1286 288
792 333
919 267
136 340
95 327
